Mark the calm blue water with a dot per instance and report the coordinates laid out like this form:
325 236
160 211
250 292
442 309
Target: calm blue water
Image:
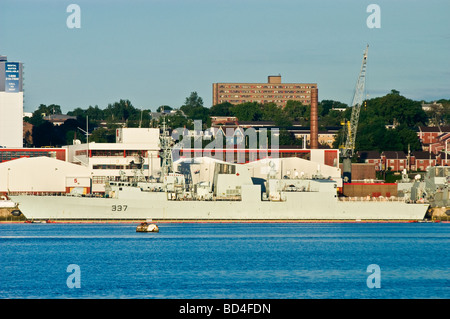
286 260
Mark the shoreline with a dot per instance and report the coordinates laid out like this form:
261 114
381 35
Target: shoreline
233 221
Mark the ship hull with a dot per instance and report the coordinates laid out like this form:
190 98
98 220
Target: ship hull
156 206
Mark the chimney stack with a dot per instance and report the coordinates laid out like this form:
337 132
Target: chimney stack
314 126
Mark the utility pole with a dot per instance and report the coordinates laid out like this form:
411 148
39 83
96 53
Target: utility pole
87 138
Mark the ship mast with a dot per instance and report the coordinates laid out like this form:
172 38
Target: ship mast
166 150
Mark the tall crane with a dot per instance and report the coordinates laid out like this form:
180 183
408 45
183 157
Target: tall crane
347 150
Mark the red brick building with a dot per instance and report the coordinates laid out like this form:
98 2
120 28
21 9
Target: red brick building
420 160
430 135
398 160
271 92
443 159
372 157
442 143
394 160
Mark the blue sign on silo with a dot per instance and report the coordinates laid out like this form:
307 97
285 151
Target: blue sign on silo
12 77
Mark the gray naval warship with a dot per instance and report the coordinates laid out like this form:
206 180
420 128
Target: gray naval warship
205 189
432 187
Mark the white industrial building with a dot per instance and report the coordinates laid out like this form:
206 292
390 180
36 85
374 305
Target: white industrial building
43 174
87 166
136 152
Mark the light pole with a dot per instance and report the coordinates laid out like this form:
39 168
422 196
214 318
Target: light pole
87 137
397 162
7 180
446 152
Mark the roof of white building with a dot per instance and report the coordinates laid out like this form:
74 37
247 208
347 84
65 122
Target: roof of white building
38 174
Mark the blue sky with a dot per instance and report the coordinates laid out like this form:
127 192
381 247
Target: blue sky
159 51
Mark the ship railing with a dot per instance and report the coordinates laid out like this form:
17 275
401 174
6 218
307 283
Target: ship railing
227 198
38 193
51 194
371 199
207 199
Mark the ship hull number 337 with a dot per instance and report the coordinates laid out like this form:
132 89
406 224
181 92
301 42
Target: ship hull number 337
119 208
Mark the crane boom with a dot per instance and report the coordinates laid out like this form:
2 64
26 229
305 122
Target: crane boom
356 105
349 147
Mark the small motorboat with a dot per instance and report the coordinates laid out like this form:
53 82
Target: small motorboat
429 221
147 227
48 221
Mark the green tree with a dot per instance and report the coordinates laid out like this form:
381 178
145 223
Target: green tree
36 119
222 109
408 138
371 135
177 120
391 141
325 106
287 138
102 135
95 114
296 111
164 107
79 113
193 108
193 100
46 135
70 137
49 109
394 108
249 111
270 111
439 114
120 111
379 113
69 130
38 115
332 118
